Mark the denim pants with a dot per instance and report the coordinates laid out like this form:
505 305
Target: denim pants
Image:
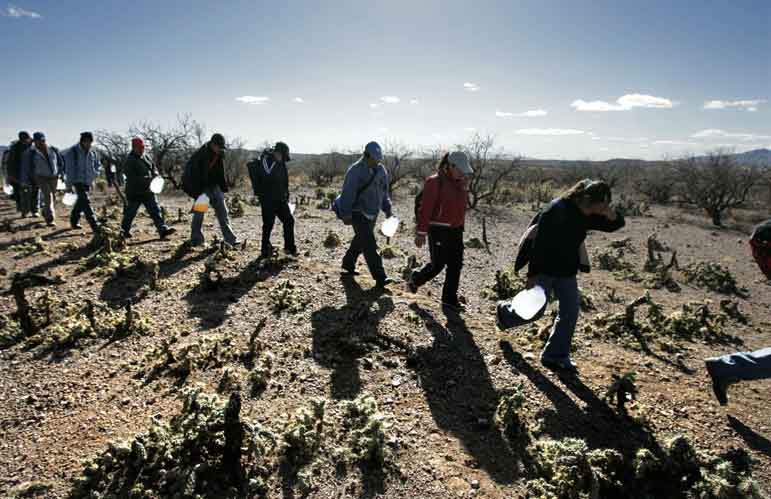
561 337
151 205
83 206
48 192
445 246
364 242
741 366
270 210
217 203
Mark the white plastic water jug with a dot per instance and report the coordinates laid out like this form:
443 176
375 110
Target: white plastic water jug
69 199
527 303
8 189
201 204
60 185
292 207
156 185
389 226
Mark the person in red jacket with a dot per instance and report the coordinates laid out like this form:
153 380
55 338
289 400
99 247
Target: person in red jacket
441 216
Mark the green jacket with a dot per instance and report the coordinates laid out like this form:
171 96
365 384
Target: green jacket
139 171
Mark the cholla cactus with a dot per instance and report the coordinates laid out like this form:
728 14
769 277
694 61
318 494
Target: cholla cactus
302 436
365 426
622 389
506 286
507 415
715 277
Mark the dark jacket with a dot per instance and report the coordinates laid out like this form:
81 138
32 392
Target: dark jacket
761 247
203 177
139 171
15 157
270 178
562 228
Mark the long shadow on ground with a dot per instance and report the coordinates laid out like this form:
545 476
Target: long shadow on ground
753 439
342 335
461 395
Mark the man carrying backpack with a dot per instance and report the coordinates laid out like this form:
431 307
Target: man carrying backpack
270 182
441 211
140 171
744 366
205 174
81 168
15 156
45 165
365 194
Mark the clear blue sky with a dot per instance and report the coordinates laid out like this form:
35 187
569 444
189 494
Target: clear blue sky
614 78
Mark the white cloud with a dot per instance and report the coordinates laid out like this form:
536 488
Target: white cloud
713 133
14 11
624 103
549 131
627 139
596 138
470 129
674 143
527 114
470 87
747 104
414 101
390 99
251 99
299 100
382 129
373 106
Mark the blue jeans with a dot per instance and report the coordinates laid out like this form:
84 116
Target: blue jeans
741 366
561 337
151 205
217 203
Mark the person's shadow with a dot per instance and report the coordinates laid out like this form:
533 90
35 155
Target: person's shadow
753 439
341 336
461 396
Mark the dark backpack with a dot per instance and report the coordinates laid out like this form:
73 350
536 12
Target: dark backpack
419 197
187 178
761 247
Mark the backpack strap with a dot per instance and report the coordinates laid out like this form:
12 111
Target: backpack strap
365 186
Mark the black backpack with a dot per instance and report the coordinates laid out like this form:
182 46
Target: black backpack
187 177
419 197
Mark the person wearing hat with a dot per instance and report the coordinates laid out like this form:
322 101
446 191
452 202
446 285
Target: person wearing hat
270 183
364 195
440 217
15 157
555 258
81 167
140 171
208 177
45 165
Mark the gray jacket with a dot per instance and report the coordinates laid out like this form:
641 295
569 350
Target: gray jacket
81 167
39 166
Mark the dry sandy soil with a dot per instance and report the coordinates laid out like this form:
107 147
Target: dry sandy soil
437 379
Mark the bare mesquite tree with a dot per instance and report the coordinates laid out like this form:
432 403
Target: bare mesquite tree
715 183
491 169
656 183
113 146
396 155
327 167
235 161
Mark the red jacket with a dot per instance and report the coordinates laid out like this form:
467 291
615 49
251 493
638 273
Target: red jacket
446 208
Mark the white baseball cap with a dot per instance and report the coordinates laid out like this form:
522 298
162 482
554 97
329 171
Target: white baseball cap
460 160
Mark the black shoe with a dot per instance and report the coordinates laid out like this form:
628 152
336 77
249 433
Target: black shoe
348 272
168 232
719 387
383 283
126 234
75 226
564 365
456 307
291 251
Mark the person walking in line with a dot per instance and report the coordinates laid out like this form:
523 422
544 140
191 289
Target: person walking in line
15 156
81 166
270 182
207 176
731 368
441 214
555 258
365 194
140 171
46 166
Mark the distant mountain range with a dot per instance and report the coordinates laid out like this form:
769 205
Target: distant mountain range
756 157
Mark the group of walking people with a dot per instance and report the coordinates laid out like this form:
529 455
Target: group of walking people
553 245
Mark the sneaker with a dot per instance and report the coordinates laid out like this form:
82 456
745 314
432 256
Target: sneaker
35 215
383 283
291 251
169 231
558 364
126 234
456 306
75 226
51 224
719 387
348 272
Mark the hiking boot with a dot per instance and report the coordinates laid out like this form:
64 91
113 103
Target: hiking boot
51 224
169 231
291 251
346 272
383 283
719 386
454 306
565 365
75 226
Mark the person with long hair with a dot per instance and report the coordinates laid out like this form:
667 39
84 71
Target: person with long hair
441 216
555 258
